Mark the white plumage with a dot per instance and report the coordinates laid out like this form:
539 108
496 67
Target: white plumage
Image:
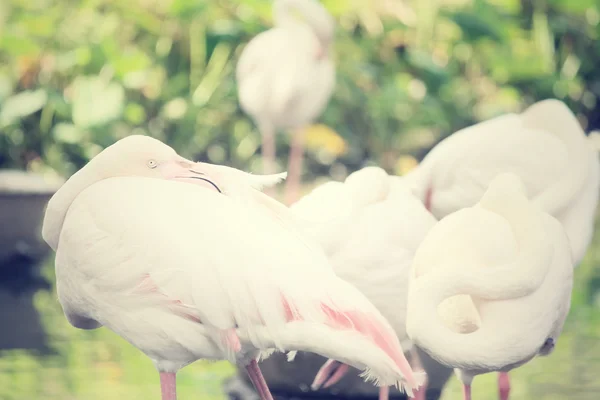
286 76
545 146
491 284
218 271
370 226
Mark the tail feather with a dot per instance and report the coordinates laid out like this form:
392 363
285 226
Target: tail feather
347 346
369 327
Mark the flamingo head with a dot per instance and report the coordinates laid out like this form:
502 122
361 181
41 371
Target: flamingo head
133 156
144 156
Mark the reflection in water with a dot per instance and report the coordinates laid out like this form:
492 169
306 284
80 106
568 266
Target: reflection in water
99 365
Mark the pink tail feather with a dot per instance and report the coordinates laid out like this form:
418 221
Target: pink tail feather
366 325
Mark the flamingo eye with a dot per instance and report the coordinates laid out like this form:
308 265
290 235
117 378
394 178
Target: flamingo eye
151 163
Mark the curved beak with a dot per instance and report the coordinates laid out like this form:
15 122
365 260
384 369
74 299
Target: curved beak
182 169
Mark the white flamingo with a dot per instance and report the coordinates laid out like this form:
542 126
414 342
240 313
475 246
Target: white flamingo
370 227
491 284
285 79
217 270
545 146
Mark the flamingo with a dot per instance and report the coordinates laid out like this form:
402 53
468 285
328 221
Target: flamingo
189 260
490 285
369 227
285 79
545 146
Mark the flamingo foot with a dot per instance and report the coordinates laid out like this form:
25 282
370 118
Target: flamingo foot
258 381
420 393
466 392
503 385
168 386
330 373
384 393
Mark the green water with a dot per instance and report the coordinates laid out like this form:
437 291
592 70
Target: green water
99 365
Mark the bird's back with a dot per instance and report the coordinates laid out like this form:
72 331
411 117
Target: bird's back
544 146
371 227
463 165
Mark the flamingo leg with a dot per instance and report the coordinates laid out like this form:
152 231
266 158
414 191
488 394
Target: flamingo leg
292 187
384 393
258 381
466 392
268 153
330 373
168 386
503 385
420 393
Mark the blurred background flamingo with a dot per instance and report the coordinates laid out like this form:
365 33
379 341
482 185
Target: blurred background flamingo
285 79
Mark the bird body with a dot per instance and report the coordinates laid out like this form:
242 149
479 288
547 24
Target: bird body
217 271
370 239
545 146
369 226
286 77
276 90
491 284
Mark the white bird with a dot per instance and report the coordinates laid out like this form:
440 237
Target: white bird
370 227
491 284
215 271
286 77
545 146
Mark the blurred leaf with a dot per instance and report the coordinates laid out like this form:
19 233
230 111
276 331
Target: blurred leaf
18 46
131 61
67 133
321 137
21 105
96 102
187 9
576 7
474 26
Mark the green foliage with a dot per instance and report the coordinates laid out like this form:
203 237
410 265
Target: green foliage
77 75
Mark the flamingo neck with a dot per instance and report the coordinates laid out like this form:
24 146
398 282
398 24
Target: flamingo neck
312 13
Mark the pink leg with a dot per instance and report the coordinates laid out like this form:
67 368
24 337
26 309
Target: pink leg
503 385
418 394
330 373
168 387
466 392
292 187
258 381
268 154
384 393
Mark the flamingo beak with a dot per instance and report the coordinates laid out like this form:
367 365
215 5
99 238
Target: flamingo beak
182 170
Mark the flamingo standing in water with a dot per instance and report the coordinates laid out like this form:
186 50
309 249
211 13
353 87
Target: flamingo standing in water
370 227
491 284
545 146
286 77
189 260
